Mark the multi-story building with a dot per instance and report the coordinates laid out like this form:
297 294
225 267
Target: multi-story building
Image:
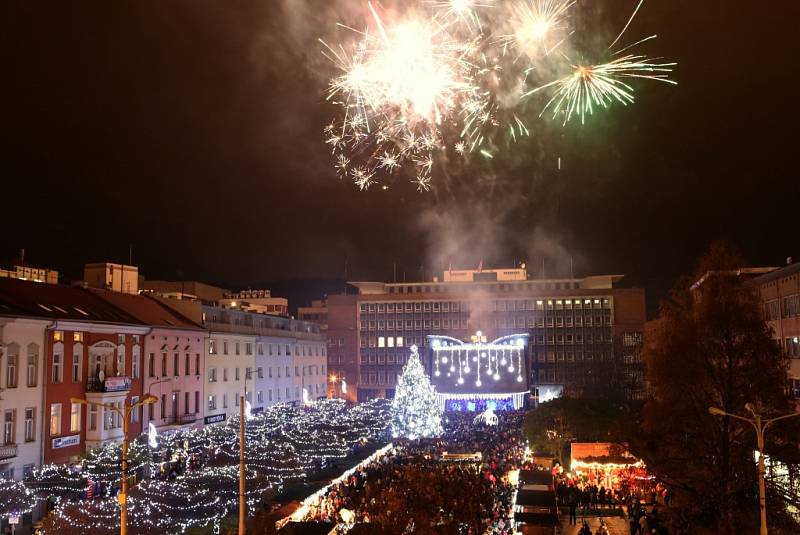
92 350
316 313
579 330
28 273
110 276
780 296
22 343
268 359
256 301
173 360
197 290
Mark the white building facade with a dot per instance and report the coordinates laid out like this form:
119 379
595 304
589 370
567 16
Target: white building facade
22 350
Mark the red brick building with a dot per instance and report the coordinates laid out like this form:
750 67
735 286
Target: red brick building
577 327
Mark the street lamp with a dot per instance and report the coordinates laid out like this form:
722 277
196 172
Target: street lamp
760 425
124 413
333 380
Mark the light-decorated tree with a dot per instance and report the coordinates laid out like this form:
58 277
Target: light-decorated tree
415 411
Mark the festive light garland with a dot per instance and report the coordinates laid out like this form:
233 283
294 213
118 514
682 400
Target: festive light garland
284 443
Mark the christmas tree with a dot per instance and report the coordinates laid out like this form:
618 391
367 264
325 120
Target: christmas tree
415 411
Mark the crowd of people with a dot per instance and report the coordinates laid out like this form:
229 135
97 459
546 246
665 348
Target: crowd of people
416 487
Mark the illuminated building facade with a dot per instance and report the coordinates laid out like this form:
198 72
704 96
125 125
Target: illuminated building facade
579 329
779 291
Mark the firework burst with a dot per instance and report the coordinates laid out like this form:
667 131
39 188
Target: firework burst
590 87
455 76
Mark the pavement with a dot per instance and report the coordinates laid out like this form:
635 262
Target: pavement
616 525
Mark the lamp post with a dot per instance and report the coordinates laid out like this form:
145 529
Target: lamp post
760 425
242 499
333 380
125 415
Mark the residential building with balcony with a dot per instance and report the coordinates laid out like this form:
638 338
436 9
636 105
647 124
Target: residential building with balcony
579 329
22 344
92 350
173 362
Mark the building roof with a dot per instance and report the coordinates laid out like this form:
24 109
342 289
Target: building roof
146 310
779 273
58 302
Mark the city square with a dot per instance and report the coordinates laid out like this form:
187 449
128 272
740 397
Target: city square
435 267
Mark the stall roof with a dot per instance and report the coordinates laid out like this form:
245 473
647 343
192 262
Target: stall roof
539 498
537 477
537 519
307 528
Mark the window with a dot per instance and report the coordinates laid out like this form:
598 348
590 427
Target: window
237 347
212 375
186 363
55 419
56 368
212 403
58 336
260 396
135 412
33 364
288 372
248 348
197 401
793 346
151 365
287 393
135 365
225 400
175 364
196 364
269 393
260 348
120 338
9 424
186 402
150 411
93 416
76 368
30 424
12 362
224 374
163 364
225 347
260 372
236 376
791 306
77 337
212 347
270 372
399 341
163 406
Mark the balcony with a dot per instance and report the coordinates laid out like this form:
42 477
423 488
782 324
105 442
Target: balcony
8 451
120 383
188 418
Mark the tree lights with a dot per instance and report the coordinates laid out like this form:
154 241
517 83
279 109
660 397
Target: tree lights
415 411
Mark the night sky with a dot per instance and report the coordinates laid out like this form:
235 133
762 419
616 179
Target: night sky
191 130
